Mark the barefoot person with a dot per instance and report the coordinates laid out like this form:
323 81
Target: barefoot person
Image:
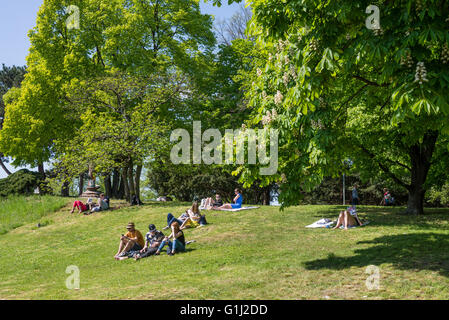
131 241
238 200
348 218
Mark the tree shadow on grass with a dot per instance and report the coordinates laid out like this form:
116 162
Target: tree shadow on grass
415 251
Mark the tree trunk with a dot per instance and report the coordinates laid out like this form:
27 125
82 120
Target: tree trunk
420 156
132 188
125 183
41 169
115 184
121 189
107 186
137 182
80 184
4 166
65 191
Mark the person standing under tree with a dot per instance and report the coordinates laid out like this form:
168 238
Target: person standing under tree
354 196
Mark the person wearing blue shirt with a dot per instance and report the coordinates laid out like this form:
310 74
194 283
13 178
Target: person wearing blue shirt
238 200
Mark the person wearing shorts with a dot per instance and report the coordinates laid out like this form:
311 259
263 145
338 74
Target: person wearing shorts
131 241
238 200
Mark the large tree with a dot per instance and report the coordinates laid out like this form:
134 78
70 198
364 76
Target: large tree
10 77
339 84
137 38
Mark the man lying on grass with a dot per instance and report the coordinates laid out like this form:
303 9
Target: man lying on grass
153 240
131 241
179 242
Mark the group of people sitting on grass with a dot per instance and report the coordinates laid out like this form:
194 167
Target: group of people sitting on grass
133 245
217 204
90 207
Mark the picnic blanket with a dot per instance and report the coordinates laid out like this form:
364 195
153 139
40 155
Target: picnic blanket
364 224
323 223
327 223
240 209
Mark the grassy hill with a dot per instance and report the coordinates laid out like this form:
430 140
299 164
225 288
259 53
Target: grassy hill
256 254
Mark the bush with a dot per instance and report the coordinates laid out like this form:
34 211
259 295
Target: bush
22 182
439 196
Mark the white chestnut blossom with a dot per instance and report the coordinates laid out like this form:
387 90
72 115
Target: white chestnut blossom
278 98
407 60
283 178
286 78
266 119
445 54
421 73
264 95
378 32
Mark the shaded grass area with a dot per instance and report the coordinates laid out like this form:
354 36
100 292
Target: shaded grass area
15 211
254 254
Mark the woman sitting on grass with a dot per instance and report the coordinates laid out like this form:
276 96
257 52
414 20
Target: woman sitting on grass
238 200
193 217
179 243
348 218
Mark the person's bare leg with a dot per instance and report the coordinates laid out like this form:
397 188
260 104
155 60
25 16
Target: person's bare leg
346 220
183 226
120 248
225 206
349 220
339 221
128 246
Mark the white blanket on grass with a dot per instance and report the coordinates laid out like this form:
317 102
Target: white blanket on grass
323 223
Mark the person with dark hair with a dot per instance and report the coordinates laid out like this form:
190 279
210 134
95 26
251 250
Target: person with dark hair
179 243
354 196
209 203
153 240
238 200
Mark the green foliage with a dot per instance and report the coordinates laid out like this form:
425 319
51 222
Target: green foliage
22 182
439 196
336 90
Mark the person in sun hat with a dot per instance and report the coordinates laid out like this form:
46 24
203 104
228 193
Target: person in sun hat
153 240
179 242
131 241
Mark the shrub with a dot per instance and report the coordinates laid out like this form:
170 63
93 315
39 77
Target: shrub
22 182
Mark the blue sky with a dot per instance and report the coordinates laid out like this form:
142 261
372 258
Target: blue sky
17 17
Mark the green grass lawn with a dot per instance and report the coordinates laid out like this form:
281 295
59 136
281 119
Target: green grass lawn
256 254
16 211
